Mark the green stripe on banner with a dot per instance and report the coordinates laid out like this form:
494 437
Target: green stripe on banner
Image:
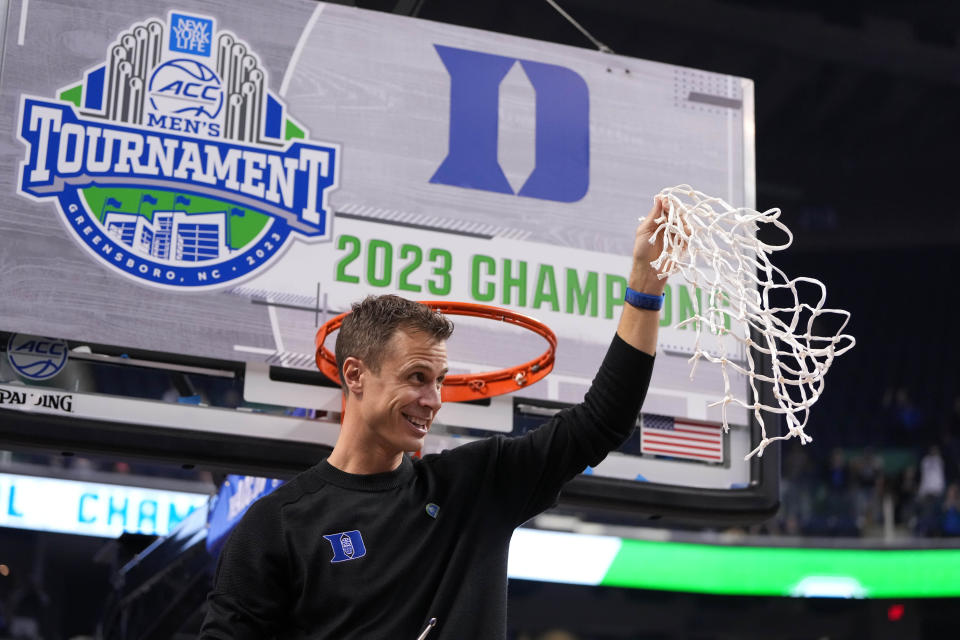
770 571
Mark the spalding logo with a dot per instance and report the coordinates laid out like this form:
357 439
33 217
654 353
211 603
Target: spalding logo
173 163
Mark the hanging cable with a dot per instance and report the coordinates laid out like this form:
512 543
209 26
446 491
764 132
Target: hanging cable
599 45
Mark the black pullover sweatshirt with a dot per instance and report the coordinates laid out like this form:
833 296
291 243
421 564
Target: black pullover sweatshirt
337 556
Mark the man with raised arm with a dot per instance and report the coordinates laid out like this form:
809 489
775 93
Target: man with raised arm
373 544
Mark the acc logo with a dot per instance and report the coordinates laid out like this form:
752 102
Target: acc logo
173 163
36 358
346 546
186 87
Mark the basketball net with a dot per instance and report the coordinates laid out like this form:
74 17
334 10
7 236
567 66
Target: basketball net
715 248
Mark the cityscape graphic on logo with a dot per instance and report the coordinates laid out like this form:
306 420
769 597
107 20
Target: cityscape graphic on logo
173 163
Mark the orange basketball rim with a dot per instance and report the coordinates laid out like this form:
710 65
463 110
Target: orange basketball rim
466 386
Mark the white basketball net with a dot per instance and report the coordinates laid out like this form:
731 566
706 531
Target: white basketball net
715 248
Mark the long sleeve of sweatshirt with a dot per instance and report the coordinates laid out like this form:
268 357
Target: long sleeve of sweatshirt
579 436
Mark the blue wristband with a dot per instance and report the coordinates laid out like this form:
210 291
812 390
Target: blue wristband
644 300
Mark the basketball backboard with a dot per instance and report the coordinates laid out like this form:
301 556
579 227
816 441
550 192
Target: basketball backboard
346 153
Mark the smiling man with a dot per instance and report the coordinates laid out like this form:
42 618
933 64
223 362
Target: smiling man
392 355
374 544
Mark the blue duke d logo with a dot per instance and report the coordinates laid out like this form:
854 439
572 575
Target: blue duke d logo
346 545
173 163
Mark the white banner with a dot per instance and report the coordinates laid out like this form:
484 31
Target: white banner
91 509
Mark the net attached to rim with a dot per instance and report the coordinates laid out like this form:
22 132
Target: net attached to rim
715 248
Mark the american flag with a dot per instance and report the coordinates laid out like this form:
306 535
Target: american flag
681 438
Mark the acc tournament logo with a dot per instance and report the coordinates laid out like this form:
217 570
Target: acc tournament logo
173 163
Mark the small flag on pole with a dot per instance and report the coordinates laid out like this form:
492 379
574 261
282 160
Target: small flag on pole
149 199
681 438
109 202
184 200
